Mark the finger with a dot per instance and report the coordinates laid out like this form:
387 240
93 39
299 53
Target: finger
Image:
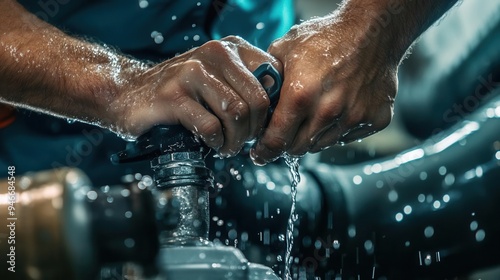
230 108
243 110
366 126
252 57
252 93
328 112
357 133
327 139
280 133
202 123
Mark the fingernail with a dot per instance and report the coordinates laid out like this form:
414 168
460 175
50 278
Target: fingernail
255 158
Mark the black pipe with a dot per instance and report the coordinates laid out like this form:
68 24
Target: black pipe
431 212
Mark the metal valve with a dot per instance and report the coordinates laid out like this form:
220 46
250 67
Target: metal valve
180 174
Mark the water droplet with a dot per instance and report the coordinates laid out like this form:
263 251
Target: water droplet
244 236
198 4
232 234
399 217
377 168
109 199
379 184
368 246
436 204
479 171
92 195
158 39
196 38
129 242
143 4
428 260
154 34
407 210
446 198
423 175
480 235
357 180
442 170
473 225
196 223
128 214
260 25
70 121
351 231
336 244
105 189
202 256
449 179
125 192
281 237
174 17
429 232
392 196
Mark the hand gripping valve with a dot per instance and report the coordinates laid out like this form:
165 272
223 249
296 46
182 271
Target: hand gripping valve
182 186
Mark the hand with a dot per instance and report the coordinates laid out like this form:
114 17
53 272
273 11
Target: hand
210 90
338 87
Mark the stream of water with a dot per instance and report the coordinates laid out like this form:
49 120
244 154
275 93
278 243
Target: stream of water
293 165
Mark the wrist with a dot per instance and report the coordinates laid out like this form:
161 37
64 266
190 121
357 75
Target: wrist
392 24
376 25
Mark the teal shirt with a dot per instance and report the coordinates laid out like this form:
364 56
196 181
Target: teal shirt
158 29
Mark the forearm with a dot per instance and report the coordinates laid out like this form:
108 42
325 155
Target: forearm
396 23
42 68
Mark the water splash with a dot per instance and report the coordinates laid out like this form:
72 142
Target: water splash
293 165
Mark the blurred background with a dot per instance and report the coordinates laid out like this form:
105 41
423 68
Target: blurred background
360 215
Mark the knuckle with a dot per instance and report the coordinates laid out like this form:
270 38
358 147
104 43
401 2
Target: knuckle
180 98
275 46
262 102
301 97
219 49
237 108
234 39
328 116
303 90
209 126
194 66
